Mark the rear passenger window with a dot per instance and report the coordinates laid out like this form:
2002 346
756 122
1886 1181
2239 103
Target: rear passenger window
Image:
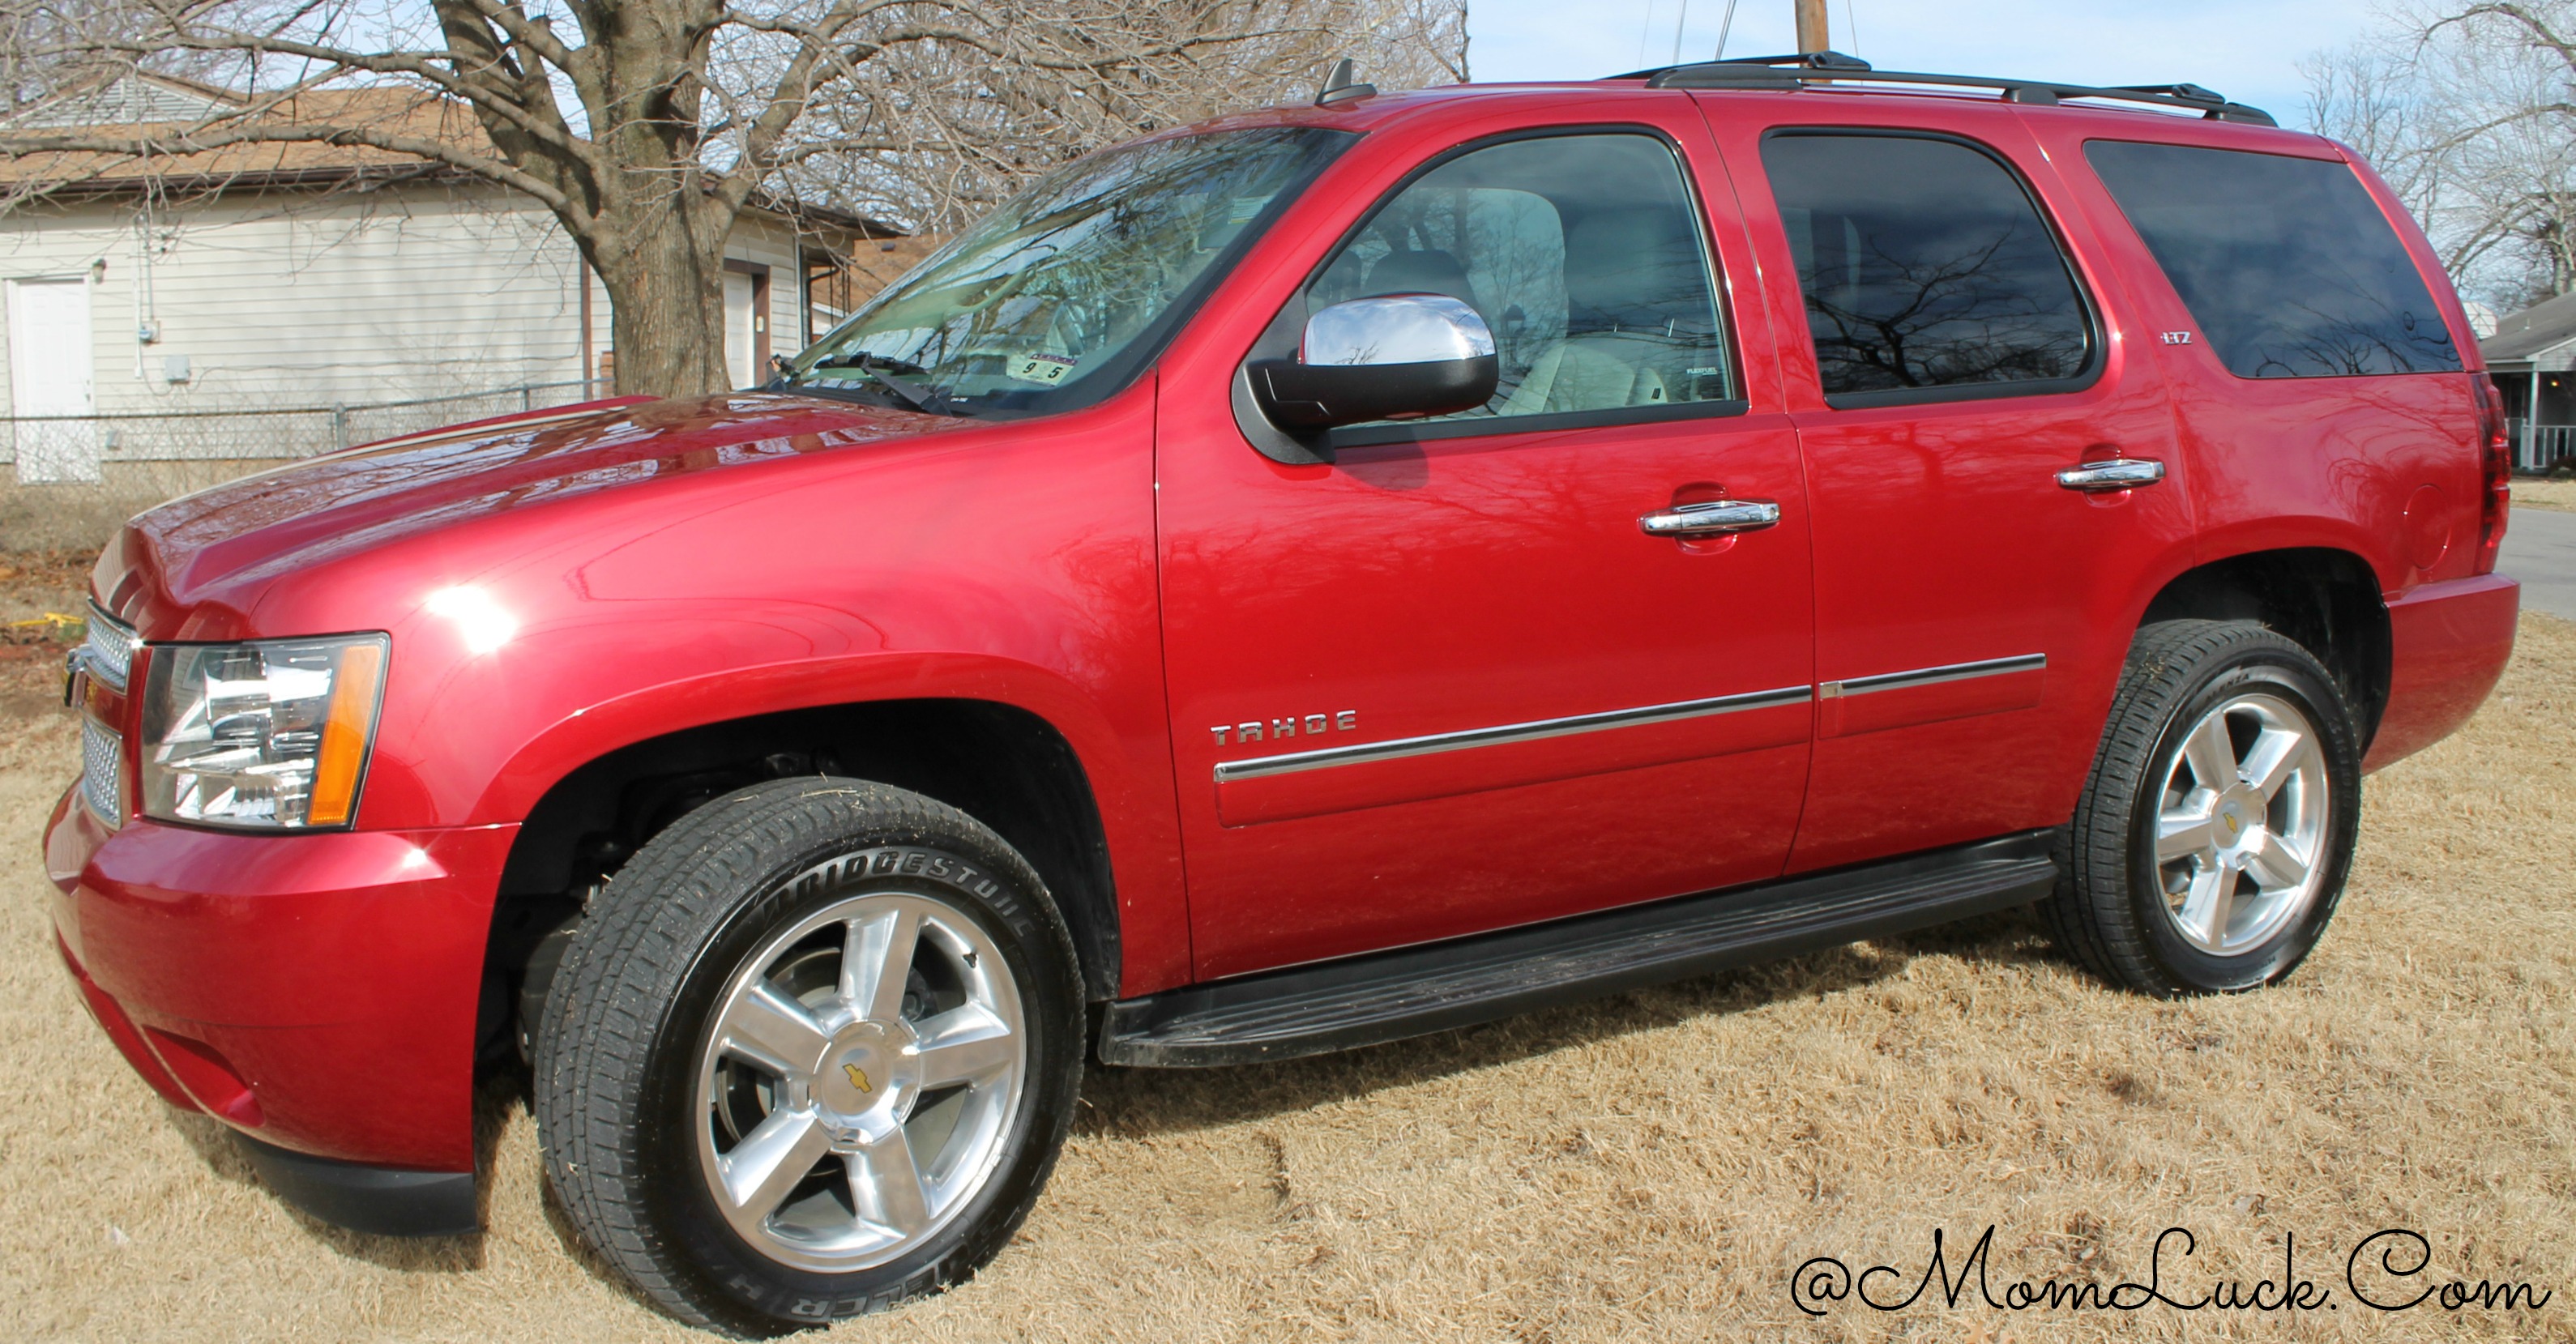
2287 264
1925 266
1584 255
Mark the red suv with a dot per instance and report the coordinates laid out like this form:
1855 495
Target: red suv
1323 576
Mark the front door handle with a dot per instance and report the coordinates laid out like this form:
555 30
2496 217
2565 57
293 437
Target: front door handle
2117 473
1716 517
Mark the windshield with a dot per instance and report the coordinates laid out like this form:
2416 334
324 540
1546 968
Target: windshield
1056 299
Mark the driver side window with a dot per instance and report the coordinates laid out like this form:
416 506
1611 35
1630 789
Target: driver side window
1581 252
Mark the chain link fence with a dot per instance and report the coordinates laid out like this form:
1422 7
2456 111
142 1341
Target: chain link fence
72 449
75 477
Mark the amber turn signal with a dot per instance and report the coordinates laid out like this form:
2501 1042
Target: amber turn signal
351 722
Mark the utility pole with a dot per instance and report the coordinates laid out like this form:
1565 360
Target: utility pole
1811 26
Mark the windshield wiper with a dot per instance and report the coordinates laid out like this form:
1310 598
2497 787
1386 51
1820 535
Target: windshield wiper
890 373
870 361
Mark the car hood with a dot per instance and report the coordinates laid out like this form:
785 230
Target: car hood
215 543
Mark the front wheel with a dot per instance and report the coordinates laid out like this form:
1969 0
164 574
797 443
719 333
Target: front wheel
811 1053
2211 843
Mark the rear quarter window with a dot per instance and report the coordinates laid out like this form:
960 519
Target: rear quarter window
2286 263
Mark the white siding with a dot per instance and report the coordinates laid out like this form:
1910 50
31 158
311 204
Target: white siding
279 300
300 300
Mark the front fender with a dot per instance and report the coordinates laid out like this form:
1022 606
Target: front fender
586 734
1009 563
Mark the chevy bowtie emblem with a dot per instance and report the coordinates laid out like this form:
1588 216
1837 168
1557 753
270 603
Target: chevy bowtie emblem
858 1077
2232 828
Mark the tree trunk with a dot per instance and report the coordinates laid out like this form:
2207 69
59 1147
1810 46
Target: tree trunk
666 305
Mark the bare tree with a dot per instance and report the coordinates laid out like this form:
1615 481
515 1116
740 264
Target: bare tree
2469 111
647 126
957 156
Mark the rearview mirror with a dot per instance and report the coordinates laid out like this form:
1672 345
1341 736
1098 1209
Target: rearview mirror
1388 357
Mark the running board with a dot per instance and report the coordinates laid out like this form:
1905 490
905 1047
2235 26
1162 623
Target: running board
1388 996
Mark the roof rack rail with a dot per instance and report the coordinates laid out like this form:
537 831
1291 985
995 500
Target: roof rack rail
1814 67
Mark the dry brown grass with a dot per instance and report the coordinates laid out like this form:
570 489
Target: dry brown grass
1651 1167
2532 492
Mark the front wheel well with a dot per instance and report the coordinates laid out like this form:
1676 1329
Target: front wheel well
1001 765
2326 600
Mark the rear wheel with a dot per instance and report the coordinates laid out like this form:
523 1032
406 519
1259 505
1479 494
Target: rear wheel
2210 846
812 1052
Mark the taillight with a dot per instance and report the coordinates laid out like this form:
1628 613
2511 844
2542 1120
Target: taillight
2495 501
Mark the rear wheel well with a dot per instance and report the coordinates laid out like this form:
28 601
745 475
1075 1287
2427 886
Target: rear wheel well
1006 767
2326 600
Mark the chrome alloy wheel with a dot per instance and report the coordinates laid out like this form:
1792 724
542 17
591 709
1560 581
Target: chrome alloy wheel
858 1081
2241 824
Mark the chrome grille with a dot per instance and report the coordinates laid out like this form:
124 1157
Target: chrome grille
102 769
109 650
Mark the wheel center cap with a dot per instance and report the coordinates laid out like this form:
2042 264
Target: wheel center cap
2240 821
869 1068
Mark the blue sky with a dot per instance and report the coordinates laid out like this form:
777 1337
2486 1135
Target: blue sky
2247 49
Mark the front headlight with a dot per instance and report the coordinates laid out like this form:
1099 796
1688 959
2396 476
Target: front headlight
269 734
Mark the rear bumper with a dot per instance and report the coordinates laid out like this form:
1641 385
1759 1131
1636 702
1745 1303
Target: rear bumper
2448 643
317 993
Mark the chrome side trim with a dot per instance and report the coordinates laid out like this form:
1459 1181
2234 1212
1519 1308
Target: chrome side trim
1293 762
1932 676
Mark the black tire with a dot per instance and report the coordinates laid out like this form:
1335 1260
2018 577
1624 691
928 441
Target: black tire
623 1048
2112 911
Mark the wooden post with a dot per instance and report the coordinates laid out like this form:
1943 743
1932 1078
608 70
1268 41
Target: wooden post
1811 26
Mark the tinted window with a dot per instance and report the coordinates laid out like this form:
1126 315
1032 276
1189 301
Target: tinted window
1924 265
1583 254
2287 264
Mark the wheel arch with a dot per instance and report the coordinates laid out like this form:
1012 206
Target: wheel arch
2326 599
1002 764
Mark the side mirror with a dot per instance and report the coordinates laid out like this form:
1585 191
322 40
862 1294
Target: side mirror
1395 355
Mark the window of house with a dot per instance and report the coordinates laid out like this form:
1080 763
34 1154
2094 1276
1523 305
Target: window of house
2287 264
1583 254
1925 266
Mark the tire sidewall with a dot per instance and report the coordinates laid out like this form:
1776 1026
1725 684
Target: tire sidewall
675 1196
2274 668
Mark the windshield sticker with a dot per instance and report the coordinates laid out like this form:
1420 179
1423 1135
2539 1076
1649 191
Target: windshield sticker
1047 369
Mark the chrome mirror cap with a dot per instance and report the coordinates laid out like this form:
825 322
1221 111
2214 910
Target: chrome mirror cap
1396 329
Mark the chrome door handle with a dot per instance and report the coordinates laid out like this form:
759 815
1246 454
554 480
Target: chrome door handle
1716 517
2118 473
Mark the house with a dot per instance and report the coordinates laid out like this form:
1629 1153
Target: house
255 302
2532 356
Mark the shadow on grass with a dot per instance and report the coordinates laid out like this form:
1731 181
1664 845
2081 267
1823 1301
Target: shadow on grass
1139 1103
493 1100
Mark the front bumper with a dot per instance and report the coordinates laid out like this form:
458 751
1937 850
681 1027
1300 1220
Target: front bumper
317 993
2448 644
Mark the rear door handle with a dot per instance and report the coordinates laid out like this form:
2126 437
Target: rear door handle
2117 473
1715 517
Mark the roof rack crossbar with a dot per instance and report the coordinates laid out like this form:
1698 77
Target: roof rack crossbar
1821 67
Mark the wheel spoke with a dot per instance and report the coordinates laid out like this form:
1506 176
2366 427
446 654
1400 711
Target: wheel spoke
2211 899
967 1044
886 1185
2212 753
2182 833
876 960
2276 865
2276 756
770 1160
775 1030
